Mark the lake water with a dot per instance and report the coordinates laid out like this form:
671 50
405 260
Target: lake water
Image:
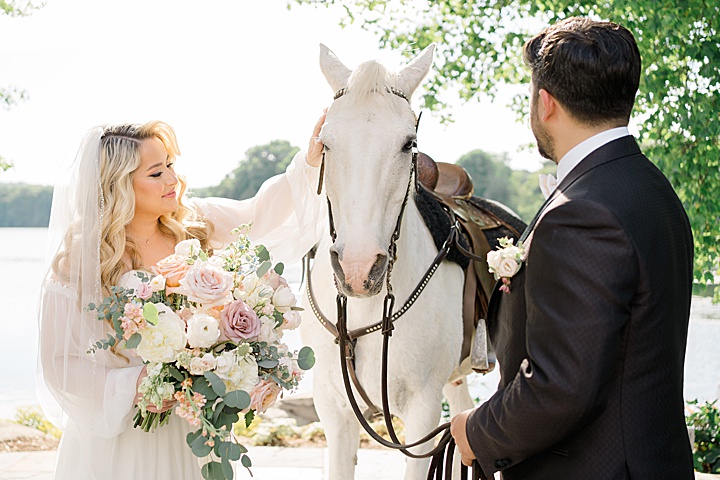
22 252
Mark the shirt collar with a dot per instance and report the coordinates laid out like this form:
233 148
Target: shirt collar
585 148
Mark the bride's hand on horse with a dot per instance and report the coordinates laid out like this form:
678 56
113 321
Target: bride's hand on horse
459 433
315 149
166 405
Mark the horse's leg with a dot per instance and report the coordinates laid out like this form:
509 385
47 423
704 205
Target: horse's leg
423 416
458 397
342 432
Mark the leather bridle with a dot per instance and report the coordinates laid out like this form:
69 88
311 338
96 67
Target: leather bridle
348 339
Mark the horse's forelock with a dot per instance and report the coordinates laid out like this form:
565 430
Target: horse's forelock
370 78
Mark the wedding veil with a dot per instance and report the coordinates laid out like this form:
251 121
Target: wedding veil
74 382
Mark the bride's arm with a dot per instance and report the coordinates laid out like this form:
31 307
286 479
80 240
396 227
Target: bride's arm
287 214
96 391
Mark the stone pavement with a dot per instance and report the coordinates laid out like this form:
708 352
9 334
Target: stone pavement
270 463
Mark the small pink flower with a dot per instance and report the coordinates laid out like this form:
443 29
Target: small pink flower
129 327
133 310
505 287
274 280
144 291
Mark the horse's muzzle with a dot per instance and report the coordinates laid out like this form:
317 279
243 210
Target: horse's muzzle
355 279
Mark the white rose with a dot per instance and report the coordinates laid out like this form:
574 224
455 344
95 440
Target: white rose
188 248
508 267
157 283
291 320
268 332
511 252
202 331
200 365
493 260
284 298
162 342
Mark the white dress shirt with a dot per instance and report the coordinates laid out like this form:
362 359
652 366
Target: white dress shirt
576 154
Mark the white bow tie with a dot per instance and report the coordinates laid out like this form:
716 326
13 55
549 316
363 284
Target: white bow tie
547 184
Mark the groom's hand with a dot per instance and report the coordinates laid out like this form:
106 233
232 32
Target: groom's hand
315 148
457 430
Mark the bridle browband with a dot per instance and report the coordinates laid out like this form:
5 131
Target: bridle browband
347 339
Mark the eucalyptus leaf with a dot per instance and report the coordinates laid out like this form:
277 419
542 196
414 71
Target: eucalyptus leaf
306 358
150 313
228 450
279 268
263 269
217 384
199 446
227 469
176 373
262 254
133 341
202 385
213 471
268 363
238 399
246 462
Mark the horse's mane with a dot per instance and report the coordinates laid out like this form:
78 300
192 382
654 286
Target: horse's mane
368 79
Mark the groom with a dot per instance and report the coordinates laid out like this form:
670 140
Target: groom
591 336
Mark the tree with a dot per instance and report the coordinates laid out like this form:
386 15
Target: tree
11 95
24 205
480 44
490 174
259 164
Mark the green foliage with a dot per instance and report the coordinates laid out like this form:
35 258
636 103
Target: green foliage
259 164
705 420
33 417
24 205
480 45
15 8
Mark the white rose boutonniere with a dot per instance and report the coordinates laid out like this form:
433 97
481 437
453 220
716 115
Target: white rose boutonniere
505 262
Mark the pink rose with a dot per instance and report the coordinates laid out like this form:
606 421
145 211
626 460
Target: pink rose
238 321
144 291
173 268
207 284
264 395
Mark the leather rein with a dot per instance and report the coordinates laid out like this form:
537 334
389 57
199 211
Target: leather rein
348 339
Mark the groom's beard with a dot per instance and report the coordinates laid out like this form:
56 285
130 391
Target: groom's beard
545 143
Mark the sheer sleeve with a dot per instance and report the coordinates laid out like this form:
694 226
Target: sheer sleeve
94 391
287 214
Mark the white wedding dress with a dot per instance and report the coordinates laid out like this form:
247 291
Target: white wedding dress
99 441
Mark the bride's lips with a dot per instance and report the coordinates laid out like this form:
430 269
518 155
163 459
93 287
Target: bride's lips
170 195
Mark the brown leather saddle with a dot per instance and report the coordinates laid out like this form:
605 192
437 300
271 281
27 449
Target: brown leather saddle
452 186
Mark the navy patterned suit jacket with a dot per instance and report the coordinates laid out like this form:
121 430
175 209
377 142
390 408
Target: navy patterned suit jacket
591 338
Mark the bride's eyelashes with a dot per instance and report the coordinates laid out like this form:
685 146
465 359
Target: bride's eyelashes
169 166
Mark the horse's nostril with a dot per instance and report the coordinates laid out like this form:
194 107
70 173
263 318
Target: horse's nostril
378 267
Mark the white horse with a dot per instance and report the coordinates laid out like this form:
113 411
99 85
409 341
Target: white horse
369 136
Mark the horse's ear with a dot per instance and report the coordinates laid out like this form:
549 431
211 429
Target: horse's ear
409 78
335 72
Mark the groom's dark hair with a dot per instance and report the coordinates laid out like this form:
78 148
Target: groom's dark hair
592 68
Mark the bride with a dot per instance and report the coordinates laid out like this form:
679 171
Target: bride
122 210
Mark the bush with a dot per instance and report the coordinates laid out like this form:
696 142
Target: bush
705 420
33 417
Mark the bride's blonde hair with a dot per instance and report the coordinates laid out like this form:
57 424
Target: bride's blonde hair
119 158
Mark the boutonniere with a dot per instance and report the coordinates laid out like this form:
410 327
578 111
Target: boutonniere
505 262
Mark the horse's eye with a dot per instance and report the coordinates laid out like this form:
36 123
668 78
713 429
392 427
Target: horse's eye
408 146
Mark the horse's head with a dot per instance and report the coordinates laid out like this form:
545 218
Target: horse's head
369 137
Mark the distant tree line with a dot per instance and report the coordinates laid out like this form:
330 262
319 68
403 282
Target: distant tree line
23 205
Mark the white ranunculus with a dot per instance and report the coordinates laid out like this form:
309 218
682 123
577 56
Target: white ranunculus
283 299
202 331
162 342
224 362
268 332
508 267
493 260
200 365
187 248
157 283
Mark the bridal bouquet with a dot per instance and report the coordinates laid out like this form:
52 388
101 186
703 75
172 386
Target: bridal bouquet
209 329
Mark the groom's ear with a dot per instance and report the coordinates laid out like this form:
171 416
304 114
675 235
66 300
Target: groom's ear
548 105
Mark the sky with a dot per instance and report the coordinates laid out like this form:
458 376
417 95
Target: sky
226 74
